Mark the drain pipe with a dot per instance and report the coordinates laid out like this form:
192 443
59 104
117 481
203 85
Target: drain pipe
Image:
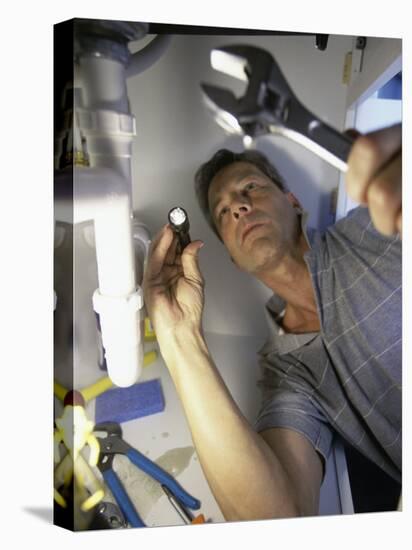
102 187
143 59
103 193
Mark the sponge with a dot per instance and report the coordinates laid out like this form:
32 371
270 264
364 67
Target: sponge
123 404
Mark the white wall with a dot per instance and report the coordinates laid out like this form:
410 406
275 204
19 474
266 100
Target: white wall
175 134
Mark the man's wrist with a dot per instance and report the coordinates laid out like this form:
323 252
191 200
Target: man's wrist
182 343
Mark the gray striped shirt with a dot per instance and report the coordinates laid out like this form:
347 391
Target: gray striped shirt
347 378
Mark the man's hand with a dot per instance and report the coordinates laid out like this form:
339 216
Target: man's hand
374 177
173 285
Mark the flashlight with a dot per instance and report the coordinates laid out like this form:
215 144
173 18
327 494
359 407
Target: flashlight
179 221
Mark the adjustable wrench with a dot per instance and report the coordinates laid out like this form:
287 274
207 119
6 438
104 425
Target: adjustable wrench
269 106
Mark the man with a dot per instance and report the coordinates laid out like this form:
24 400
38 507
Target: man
333 359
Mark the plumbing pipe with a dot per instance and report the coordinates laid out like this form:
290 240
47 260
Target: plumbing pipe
142 240
145 58
103 83
122 335
102 193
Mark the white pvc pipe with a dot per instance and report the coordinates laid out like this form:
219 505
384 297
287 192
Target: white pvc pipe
114 248
121 325
102 193
103 84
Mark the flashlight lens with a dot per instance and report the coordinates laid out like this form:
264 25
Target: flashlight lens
177 216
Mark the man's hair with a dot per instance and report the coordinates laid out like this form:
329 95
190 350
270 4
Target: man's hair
220 160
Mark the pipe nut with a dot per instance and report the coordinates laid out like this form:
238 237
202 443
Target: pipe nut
103 122
105 304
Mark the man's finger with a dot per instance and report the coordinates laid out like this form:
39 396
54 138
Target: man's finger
384 198
190 264
399 223
352 133
369 154
158 251
171 253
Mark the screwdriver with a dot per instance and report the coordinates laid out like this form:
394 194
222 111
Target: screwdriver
181 510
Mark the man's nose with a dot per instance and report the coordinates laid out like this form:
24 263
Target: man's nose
241 207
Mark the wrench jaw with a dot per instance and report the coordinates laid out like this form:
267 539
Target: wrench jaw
262 104
226 109
222 105
232 116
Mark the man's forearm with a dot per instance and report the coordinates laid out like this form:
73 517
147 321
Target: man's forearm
245 476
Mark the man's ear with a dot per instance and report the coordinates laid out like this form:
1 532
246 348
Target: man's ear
293 200
234 263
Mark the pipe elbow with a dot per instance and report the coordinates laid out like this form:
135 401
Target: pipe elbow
145 58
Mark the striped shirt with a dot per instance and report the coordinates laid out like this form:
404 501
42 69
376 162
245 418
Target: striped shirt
347 378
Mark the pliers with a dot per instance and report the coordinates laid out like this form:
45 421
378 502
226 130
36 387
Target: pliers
269 105
113 444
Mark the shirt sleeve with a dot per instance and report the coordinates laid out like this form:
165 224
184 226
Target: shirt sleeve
288 408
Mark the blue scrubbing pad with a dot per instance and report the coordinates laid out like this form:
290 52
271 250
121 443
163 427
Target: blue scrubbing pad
123 404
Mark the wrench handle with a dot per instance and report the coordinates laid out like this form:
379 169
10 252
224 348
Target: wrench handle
305 128
337 143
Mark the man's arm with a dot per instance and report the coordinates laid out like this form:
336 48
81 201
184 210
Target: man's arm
274 475
277 474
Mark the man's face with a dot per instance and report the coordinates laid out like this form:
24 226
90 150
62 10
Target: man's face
255 219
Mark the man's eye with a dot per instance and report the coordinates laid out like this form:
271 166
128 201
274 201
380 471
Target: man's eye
223 211
251 185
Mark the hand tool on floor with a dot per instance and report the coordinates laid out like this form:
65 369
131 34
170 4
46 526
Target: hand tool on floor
186 516
86 482
75 431
110 445
109 516
269 105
